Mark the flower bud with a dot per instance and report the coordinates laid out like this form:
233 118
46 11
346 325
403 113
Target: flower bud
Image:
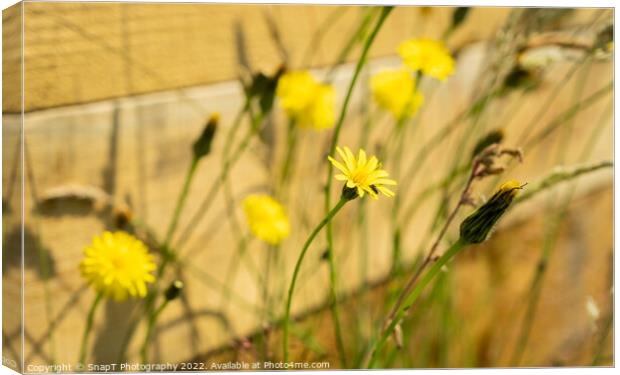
174 290
202 146
351 193
476 227
459 15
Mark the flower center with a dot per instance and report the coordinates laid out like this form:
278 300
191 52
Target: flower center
120 260
359 177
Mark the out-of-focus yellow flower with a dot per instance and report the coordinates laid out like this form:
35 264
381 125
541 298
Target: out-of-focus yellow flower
118 265
395 91
266 217
307 101
429 56
363 174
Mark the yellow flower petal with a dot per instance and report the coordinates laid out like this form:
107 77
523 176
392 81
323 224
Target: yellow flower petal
266 217
362 173
395 91
429 56
118 265
310 103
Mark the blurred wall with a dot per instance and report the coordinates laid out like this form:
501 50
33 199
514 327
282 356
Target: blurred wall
84 52
86 126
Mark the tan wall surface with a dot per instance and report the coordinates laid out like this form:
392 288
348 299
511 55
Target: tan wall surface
137 149
83 52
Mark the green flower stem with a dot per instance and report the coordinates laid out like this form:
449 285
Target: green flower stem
89 326
385 11
242 245
551 236
559 176
287 314
559 88
362 223
429 191
412 298
600 346
165 248
189 176
217 184
399 131
412 284
291 142
232 131
348 47
321 31
144 351
167 255
442 135
569 114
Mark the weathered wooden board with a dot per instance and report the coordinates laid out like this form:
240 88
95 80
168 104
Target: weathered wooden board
137 148
83 52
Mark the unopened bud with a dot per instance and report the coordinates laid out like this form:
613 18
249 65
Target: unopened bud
459 15
476 227
351 193
174 290
202 146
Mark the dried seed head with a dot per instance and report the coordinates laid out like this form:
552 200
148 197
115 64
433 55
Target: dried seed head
492 137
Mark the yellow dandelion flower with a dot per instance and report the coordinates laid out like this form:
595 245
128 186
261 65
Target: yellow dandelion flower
429 56
310 103
118 265
362 174
395 91
266 217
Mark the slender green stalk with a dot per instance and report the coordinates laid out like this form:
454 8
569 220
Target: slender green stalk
144 351
400 132
292 137
556 214
242 245
559 88
89 326
441 136
535 288
429 191
356 36
165 248
232 131
600 347
385 11
363 209
189 176
412 298
321 31
291 289
558 176
217 184
569 114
